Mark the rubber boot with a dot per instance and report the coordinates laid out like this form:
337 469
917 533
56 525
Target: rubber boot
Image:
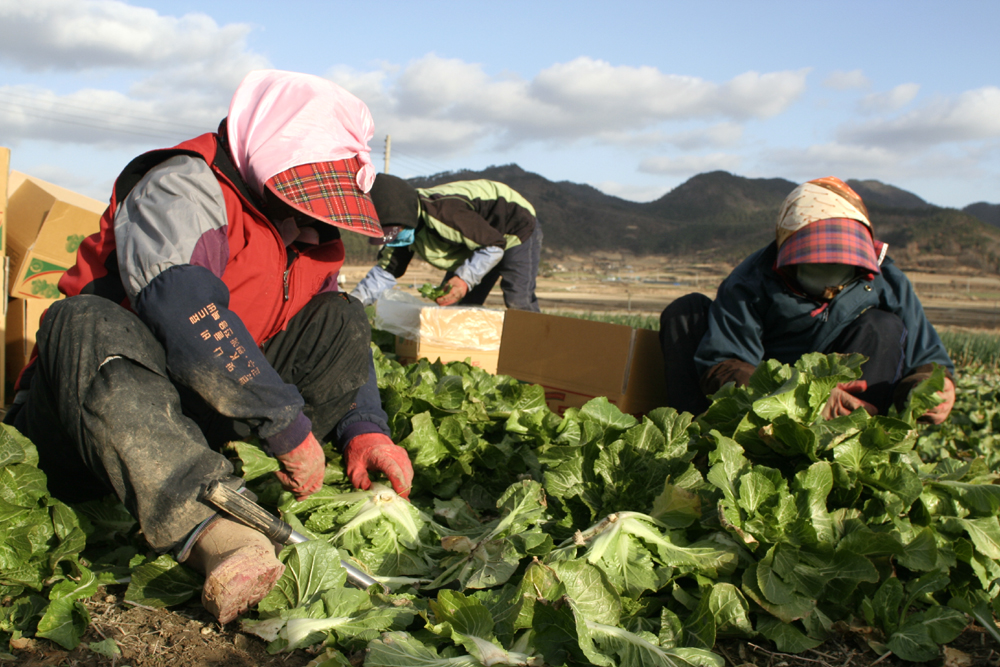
239 565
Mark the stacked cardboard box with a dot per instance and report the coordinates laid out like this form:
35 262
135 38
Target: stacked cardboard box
44 226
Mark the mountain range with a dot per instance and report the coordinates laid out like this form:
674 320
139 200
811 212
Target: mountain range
718 216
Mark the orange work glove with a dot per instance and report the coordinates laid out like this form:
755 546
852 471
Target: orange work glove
940 412
843 401
376 451
459 288
303 468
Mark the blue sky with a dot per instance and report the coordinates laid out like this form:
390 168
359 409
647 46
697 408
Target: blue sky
633 98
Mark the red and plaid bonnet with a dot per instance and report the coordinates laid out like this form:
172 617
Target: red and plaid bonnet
825 222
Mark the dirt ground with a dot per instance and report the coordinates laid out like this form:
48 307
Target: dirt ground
188 637
185 636
614 283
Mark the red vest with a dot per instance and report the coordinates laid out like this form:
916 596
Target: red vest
258 259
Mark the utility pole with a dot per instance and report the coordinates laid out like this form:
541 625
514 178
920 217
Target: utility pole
388 149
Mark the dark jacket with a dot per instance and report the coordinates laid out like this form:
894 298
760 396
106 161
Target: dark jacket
758 314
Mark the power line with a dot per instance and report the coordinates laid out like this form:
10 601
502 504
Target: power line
94 123
417 164
183 127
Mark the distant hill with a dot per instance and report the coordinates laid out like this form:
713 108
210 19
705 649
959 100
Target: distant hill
718 216
876 193
988 213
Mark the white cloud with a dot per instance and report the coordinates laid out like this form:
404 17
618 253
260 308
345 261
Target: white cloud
972 115
689 165
885 164
104 117
853 80
83 34
638 95
889 101
832 160
638 193
582 99
722 135
181 72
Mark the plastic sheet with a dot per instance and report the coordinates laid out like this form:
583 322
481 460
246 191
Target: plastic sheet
457 327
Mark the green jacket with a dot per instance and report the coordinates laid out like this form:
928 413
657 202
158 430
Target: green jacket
456 219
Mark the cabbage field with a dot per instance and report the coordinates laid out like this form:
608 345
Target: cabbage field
594 538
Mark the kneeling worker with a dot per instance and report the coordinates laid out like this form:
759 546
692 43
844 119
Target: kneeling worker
476 231
825 285
206 308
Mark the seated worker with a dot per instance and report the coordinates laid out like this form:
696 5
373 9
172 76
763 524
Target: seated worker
476 231
206 309
824 285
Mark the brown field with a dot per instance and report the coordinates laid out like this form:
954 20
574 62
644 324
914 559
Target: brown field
612 283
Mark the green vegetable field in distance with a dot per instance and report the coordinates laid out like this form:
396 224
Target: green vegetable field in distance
590 539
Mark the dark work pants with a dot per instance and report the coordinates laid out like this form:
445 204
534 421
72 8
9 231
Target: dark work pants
683 323
517 272
878 335
106 417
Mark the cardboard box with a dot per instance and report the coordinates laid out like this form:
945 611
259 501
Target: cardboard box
45 226
576 360
4 171
454 334
23 317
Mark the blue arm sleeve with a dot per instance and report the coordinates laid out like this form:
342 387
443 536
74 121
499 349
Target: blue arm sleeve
171 233
476 267
375 283
366 415
210 350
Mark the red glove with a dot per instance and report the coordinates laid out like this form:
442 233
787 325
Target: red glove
303 468
459 288
843 401
940 412
376 451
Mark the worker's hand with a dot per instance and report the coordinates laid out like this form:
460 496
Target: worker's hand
303 468
940 412
375 451
459 288
843 401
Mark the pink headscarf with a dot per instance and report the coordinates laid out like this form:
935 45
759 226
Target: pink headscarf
278 120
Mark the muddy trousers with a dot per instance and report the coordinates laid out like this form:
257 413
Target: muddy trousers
517 272
877 334
106 417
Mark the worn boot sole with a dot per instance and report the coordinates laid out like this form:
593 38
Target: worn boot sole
240 581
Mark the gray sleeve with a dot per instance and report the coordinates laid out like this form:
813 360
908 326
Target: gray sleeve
479 264
176 211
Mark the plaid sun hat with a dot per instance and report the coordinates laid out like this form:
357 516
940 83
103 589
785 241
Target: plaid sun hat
831 241
328 191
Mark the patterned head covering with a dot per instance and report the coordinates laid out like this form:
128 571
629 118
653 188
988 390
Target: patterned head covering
306 139
825 222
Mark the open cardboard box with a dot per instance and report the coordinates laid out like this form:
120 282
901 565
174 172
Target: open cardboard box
45 226
427 331
576 360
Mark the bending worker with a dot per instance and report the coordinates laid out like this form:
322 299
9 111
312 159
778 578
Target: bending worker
824 285
206 310
476 231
